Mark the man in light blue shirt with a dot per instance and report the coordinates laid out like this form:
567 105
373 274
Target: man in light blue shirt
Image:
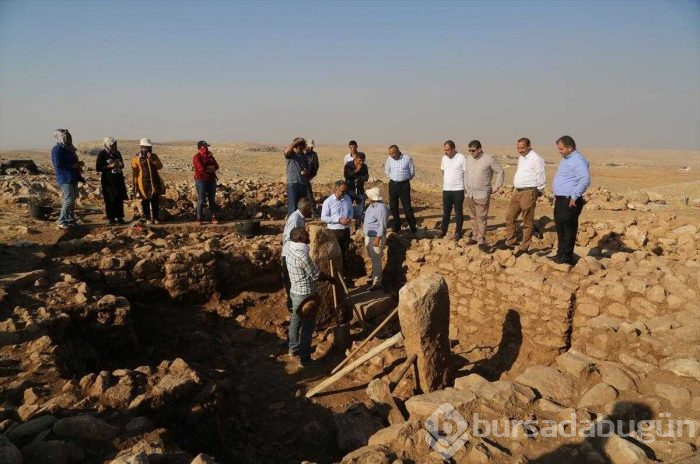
570 182
400 170
337 212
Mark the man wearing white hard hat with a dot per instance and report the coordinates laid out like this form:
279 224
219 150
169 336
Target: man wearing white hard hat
374 229
148 186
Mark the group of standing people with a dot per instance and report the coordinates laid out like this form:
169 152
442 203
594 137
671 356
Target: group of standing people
479 175
147 183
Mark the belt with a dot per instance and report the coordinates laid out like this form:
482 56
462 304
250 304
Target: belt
525 188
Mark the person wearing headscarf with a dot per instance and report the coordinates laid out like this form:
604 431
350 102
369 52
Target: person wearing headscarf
148 186
110 163
67 167
205 167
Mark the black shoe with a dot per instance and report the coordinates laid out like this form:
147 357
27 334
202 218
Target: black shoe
414 230
554 258
121 221
520 252
561 260
113 222
484 247
458 236
442 234
471 242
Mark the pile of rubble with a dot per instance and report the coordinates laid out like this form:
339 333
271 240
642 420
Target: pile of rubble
239 199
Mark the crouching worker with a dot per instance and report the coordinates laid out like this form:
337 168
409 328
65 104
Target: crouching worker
303 274
374 229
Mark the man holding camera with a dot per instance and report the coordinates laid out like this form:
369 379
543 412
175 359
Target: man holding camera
297 173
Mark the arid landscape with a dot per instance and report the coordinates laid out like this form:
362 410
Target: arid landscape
166 343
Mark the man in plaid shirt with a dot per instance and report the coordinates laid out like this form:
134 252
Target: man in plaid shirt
303 274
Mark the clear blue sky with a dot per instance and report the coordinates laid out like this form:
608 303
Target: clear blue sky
614 74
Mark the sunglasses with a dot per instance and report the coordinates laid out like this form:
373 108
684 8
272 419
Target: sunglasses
472 150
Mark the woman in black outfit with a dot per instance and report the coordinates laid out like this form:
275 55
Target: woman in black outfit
110 164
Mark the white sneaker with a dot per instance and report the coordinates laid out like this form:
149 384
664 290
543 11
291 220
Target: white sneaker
63 226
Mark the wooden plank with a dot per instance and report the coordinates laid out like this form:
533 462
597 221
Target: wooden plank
385 345
367 340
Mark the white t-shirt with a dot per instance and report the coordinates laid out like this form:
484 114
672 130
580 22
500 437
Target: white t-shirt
347 159
453 169
530 172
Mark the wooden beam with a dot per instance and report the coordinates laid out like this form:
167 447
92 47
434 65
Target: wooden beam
367 340
385 345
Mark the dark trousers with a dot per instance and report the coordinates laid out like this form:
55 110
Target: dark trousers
566 222
295 192
401 191
310 196
287 283
343 237
452 198
151 207
206 191
114 208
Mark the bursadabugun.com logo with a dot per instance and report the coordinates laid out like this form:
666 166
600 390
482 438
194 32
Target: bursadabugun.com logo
448 431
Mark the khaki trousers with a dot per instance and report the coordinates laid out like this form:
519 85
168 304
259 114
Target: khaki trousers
479 209
522 202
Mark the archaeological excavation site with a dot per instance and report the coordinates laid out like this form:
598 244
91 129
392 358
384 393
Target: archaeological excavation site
168 343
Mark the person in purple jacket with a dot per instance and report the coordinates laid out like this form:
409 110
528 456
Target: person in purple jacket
67 167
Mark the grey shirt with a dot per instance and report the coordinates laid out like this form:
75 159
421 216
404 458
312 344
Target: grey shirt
479 176
296 163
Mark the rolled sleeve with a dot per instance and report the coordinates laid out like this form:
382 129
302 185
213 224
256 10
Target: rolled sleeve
498 171
541 174
584 178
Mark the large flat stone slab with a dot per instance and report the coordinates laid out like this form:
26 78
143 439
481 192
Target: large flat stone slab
423 406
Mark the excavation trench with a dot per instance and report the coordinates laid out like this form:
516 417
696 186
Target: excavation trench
200 336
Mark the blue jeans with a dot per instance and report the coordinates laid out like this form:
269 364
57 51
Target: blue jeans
70 194
295 192
205 191
300 330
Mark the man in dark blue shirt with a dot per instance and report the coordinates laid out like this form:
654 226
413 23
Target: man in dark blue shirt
67 167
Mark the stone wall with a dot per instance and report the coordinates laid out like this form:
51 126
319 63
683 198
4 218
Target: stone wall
542 307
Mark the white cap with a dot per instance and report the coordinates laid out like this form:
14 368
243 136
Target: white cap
374 194
145 143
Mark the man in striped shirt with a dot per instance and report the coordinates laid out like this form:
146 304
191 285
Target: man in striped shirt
303 274
296 219
400 170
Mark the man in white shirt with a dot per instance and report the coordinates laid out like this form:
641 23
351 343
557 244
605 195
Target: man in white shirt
352 145
529 181
337 213
453 166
